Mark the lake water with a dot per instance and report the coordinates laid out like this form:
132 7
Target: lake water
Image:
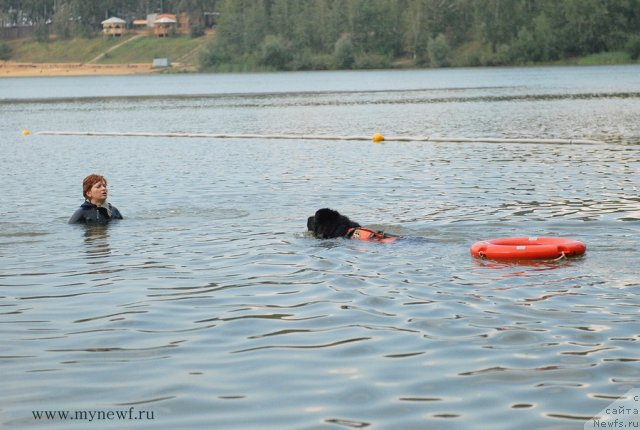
210 307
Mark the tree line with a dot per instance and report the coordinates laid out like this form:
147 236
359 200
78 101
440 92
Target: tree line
328 34
345 34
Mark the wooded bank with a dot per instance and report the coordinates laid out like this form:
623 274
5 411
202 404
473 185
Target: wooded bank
360 34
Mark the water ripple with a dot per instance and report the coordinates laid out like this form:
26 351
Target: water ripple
211 306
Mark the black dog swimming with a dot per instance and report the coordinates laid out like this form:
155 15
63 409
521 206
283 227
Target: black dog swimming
329 224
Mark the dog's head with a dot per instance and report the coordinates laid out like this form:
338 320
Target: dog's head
327 224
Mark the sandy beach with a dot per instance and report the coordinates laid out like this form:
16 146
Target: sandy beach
14 69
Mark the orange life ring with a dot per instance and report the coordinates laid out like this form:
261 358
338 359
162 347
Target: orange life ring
528 248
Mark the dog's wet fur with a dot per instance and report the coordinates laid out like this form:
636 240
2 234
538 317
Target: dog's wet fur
329 224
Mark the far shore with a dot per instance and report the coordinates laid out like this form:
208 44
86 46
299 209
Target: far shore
14 69
10 69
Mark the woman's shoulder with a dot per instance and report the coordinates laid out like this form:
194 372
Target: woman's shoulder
115 213
78 215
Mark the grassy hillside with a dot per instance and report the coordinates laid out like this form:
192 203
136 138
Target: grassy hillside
59 51
136 50
182 49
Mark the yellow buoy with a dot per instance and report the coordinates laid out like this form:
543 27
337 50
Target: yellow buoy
26 132
377 138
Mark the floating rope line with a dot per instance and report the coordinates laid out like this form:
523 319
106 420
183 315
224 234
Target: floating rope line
320 137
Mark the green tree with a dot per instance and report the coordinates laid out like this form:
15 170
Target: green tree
416 34
374 25
62 21
499 21
633 46
364 33
439 51
582 26
5 51
275 52
343 54
241 27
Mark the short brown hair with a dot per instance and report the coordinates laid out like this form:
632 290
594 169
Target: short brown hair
90 181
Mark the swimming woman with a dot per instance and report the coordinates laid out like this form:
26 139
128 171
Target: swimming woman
95 209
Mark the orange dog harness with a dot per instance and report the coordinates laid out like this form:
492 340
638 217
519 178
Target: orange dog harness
367 234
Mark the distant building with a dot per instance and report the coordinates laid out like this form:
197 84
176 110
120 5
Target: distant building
166 15
114 27
163 24
151 18
139 24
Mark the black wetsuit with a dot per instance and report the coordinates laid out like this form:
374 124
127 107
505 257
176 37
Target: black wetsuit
88 213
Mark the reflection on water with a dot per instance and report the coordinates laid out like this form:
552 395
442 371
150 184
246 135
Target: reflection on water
96 239
212 307
524 267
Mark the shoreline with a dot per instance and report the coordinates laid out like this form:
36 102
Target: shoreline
14 69
10 69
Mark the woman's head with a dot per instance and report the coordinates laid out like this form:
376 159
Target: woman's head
94 188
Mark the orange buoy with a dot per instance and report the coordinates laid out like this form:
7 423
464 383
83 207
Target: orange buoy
528 248
377 138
